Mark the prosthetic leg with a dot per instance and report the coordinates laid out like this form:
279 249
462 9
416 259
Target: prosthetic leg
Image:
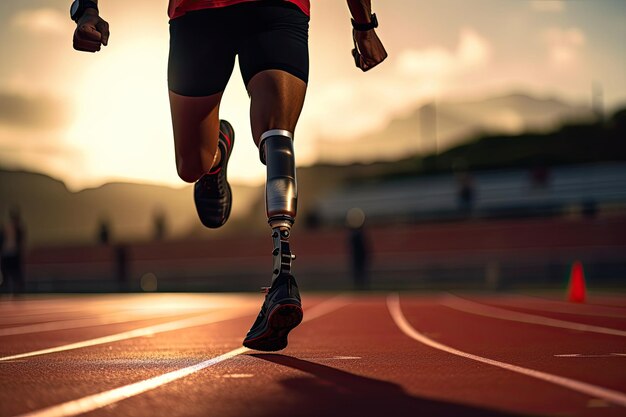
281 194
282 308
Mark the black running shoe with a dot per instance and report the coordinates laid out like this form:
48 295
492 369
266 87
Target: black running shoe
212 193
280 313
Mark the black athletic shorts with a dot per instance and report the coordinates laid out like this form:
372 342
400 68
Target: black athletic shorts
267 34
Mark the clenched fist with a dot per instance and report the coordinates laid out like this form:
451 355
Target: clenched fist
91 32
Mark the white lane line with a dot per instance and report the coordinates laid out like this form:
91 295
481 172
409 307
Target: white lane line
20 318
114 318
326 307
102 399
88 305
334 358
584 355
472 307
144 331
615 301
615 397
93 312
545 304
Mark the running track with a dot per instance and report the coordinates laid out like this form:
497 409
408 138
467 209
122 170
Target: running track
355 355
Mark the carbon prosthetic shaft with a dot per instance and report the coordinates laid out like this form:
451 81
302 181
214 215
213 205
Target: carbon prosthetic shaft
281 195
281 192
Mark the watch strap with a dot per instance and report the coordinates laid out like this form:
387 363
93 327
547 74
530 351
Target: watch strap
366 26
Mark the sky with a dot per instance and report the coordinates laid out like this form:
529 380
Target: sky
92 118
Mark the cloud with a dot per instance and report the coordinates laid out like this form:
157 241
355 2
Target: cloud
430 61
472 51
549 6
32 112
563 45
409 76
41 21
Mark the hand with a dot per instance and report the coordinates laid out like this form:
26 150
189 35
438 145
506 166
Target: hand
368 49
91 32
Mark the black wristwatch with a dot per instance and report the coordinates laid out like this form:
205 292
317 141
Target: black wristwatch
78 7
362 27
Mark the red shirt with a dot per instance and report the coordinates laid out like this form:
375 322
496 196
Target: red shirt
180 7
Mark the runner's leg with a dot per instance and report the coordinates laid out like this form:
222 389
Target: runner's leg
201 60
196 124
277 99
274 63
202 56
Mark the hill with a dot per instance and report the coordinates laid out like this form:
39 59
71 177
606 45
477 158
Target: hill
55 215
436 127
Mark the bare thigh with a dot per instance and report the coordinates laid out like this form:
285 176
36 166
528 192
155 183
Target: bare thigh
195 121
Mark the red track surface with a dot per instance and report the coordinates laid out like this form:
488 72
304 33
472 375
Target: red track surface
349 357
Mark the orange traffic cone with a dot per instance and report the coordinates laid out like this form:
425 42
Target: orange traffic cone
577 290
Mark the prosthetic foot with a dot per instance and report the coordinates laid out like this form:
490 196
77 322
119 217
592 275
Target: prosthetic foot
282 309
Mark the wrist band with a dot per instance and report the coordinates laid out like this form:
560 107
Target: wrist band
362 27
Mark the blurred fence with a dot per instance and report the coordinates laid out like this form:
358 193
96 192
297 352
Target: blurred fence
473 254
540 191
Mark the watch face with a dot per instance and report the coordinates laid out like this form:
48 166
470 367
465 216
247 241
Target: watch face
74 8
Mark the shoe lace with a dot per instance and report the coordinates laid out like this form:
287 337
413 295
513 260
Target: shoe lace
212 182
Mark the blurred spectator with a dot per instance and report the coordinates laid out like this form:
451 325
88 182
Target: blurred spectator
312 219
104 232
121 268
159 224
12 243
540 176
466 192
359 248
589 208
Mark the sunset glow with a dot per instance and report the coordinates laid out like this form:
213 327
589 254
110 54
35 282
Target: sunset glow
123 118
111 115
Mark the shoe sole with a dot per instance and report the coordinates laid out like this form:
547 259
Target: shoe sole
280 322
231 137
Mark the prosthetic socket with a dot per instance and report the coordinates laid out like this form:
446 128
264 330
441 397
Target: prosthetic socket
281 194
